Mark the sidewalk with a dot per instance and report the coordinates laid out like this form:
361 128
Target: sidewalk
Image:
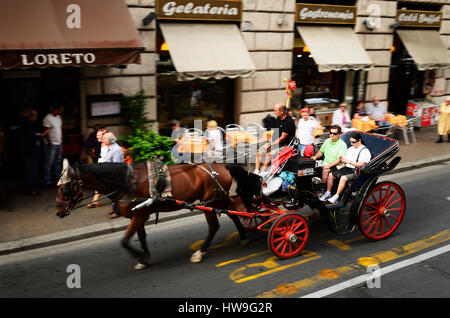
32 222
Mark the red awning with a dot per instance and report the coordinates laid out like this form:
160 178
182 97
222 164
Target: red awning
44 33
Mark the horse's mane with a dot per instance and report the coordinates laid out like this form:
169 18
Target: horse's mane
114 174
244 185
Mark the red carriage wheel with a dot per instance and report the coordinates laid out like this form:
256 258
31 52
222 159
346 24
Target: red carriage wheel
382 211
288 235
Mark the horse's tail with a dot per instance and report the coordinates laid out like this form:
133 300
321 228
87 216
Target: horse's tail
241 175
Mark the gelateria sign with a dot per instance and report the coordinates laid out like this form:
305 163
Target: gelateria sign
415 18
215 10
327 14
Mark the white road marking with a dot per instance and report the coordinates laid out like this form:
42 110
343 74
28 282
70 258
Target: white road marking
383 271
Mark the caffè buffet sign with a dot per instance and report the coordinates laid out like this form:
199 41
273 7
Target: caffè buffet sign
214 10
415 18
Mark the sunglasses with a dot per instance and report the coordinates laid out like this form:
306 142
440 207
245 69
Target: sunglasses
353 141
334 133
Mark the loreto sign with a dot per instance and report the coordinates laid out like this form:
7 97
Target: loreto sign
424 19
199 10
326 14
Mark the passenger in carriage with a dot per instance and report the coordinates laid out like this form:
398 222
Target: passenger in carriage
357 156
286 132
305 130
331 149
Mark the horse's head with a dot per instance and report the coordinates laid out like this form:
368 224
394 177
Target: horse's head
70 191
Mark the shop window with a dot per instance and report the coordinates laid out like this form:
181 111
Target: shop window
187 101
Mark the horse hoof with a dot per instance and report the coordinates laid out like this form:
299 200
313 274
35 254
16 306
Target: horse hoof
245 242
197 257
140 266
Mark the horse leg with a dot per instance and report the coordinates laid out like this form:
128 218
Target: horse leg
242 233
137 225
213 227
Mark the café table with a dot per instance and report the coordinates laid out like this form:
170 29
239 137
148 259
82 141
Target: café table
363 125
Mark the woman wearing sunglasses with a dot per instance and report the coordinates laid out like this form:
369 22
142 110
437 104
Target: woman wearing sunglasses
357 156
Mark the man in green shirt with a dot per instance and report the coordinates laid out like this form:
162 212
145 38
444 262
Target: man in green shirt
331 149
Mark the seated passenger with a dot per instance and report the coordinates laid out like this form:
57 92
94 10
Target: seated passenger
357 156
331 149
360 110
342 118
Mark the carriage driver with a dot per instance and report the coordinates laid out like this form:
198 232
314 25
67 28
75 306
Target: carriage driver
286 132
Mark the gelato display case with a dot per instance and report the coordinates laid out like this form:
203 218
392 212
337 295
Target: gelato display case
425 111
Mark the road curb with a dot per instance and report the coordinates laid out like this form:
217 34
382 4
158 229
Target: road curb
121 224
83 233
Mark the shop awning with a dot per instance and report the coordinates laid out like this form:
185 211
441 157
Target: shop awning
43 33
335 48
426 48
207 51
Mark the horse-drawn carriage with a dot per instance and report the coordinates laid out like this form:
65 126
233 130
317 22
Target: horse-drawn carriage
376 207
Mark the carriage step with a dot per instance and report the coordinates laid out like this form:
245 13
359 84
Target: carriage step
336 205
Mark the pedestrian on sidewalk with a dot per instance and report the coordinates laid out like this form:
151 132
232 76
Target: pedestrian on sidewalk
444 120
100 158
114 153
31 150
53 149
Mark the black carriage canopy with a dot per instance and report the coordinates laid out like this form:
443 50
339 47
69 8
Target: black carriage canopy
58 33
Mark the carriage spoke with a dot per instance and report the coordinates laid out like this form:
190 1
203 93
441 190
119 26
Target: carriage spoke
386 195
391 204
387 222
369 219
372 206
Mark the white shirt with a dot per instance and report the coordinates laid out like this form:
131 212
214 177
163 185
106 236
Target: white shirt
103 151
214 137
305 131
55 123
352 155
338 117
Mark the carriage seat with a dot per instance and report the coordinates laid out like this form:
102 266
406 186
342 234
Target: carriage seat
381 149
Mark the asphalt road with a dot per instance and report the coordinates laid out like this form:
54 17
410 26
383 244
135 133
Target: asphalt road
330 266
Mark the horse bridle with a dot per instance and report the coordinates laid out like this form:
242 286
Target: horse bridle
72 203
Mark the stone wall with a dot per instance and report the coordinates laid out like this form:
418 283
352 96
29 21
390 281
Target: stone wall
268 31
110 80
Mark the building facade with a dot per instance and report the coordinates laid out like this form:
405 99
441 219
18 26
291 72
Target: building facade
274 38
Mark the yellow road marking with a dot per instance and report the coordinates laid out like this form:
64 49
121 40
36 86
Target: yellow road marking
340 245
239 277
228 241
329 274
380 257
308 282
354 240
242 258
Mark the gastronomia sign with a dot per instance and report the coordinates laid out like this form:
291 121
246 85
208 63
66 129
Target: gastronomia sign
199 10
322 13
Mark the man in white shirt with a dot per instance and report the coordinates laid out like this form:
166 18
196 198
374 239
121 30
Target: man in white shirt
305 130
377 111
356 157
53 150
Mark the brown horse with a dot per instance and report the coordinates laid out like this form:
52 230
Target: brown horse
122 183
